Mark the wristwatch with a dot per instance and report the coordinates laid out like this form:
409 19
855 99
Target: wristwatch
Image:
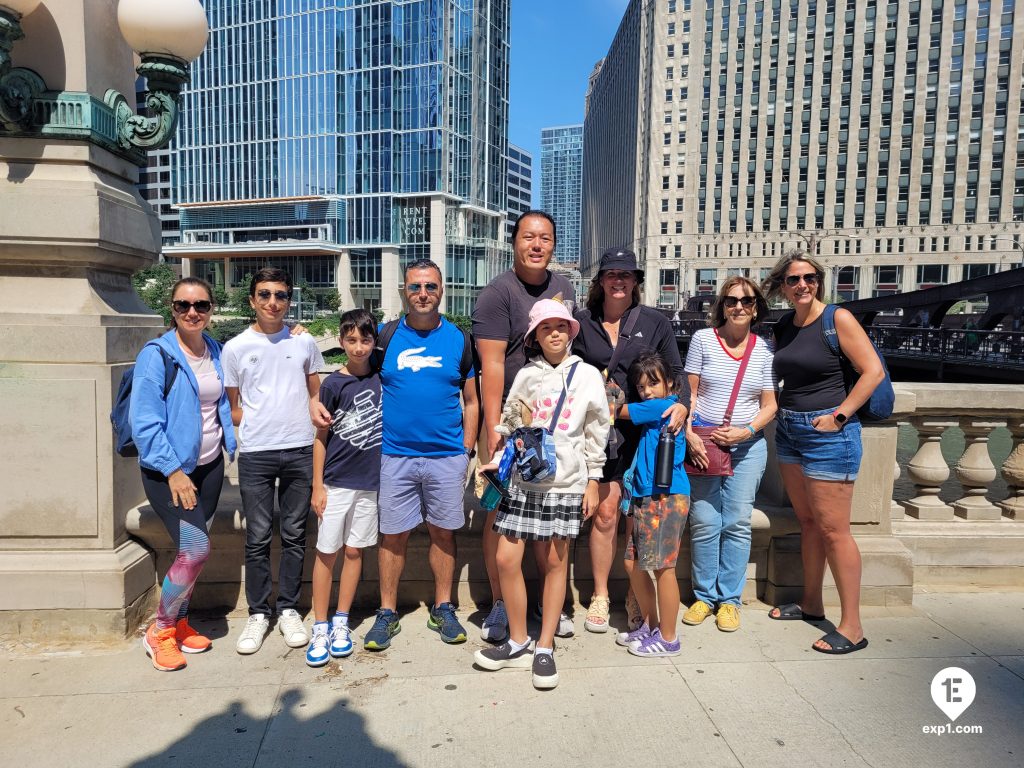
471 452
839 418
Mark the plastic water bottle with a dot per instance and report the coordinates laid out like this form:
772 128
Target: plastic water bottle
665 458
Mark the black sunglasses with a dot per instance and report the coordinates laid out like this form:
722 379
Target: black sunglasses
732 301
265 295
182 307
811 278
415 288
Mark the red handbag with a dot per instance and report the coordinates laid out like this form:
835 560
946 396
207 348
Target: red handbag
720 459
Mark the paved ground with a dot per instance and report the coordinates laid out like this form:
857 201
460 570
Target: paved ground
759 697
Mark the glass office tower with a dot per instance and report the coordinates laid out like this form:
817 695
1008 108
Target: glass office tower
342 140
561 186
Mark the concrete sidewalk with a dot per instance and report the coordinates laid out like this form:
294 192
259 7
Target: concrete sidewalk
758 697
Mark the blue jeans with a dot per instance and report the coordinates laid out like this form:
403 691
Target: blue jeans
292 470
720 509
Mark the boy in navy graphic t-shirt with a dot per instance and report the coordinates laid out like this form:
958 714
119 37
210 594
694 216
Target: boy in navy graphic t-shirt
346 478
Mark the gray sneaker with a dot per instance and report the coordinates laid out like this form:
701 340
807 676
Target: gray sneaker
545 674
565 626
503 657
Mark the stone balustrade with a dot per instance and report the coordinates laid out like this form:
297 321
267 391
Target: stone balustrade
952 530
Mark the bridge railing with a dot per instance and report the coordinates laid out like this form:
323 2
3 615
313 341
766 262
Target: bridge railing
980 347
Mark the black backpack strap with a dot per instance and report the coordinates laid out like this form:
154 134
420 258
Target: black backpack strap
170 371
469 359
381 347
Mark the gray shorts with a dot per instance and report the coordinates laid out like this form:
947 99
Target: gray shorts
416 488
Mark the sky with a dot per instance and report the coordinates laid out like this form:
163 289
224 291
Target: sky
555 44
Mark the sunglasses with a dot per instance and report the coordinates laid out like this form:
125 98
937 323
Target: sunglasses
182 307
811 278
415 288
732 301
265 295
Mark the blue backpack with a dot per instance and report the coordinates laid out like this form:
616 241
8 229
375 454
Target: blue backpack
120 417
535 458
879 406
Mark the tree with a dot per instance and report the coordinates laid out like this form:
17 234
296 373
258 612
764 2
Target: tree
153 284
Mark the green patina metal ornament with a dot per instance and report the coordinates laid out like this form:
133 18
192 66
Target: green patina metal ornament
28 109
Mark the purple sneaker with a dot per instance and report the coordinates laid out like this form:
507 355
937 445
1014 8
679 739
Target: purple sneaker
654 646
637 636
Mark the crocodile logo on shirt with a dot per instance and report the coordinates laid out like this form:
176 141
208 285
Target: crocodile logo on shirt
411 358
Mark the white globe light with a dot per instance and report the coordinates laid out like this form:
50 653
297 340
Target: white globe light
20 7
169 27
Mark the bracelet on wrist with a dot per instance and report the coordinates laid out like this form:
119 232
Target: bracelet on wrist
753 432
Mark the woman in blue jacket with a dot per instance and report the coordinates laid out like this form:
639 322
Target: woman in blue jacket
181 438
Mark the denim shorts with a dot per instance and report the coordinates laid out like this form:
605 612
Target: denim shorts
821 455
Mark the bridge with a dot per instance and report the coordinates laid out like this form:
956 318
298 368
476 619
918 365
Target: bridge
917 334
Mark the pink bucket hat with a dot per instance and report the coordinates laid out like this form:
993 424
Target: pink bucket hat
549 309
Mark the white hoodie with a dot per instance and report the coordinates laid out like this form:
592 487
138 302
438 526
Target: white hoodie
581 433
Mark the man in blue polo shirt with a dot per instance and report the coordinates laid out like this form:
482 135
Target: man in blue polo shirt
429 434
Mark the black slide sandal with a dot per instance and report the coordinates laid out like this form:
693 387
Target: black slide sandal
793 612
840 644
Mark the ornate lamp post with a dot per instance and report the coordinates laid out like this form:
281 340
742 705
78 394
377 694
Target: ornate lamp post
73 229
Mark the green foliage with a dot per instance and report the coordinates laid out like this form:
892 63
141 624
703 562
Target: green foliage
153 285
330 299
223 330
220 296
239 299
339 359
323 326
465 322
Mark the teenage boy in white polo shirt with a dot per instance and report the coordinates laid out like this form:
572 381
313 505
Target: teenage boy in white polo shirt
272 384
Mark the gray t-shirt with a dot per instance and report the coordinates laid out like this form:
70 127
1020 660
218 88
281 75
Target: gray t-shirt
502 313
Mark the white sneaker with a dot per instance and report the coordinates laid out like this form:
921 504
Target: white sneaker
290 625
255 630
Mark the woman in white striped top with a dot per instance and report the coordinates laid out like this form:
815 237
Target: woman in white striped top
720 507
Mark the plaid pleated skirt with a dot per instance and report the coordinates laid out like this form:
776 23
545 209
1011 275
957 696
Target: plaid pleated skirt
540 516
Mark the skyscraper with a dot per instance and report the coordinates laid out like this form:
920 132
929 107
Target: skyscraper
883 133
561 186
520 185
343 142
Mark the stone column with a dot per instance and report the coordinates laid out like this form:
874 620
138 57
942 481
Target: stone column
74 229
1013 473
343 281
928 470
391 281
976 472
439 240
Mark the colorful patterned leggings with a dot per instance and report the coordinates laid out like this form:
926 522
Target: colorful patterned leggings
188 530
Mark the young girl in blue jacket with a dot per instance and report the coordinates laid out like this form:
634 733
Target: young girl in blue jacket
181 438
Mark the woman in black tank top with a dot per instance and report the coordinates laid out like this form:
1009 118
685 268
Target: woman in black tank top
818 442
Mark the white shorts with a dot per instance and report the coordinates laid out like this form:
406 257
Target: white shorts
350 518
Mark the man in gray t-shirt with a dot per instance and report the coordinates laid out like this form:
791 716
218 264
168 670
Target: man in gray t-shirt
500 320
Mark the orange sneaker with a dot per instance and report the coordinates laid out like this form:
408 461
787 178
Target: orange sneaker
162 648
190 641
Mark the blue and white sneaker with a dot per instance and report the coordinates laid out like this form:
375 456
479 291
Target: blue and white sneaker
495 626
655 646
317 654
341 641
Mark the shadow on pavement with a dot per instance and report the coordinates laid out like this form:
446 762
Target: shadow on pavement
236 738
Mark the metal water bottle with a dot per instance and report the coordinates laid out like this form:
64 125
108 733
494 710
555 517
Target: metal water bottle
665 458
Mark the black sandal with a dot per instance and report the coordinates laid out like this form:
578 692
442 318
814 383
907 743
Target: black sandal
793 612
841 644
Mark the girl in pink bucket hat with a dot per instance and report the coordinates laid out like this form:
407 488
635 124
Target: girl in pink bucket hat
567 399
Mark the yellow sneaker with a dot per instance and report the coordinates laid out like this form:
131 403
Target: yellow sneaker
697 612
728 617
